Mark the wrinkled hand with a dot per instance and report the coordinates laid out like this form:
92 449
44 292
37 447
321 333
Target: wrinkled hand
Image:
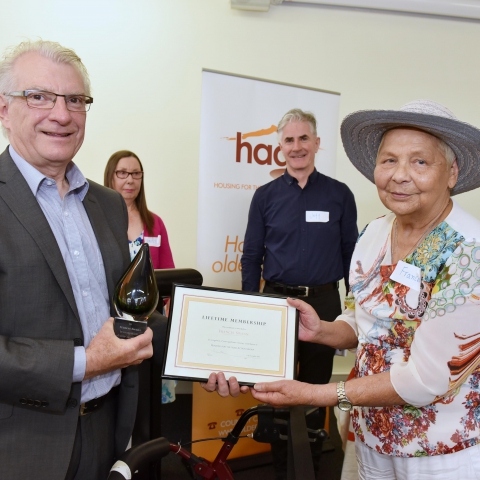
107 352
310 325
286 393
217 382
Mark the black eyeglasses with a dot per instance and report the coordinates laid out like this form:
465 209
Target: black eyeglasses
47 100
124 174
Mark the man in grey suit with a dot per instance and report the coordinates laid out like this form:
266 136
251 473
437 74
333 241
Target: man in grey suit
69 386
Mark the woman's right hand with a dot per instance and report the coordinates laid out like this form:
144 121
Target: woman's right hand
310 323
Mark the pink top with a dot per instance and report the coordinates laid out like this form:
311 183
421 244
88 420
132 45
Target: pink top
159 246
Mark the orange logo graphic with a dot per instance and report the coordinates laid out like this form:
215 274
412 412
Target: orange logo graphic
239 412
212 425
261 154
258 133
232 262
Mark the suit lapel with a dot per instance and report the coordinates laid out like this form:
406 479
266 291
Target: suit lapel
16 193
103 234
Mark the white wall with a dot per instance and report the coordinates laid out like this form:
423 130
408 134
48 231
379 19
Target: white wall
145 59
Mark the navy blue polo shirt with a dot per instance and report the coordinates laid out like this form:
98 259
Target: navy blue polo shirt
292 250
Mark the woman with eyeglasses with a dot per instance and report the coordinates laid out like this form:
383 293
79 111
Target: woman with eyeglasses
124 173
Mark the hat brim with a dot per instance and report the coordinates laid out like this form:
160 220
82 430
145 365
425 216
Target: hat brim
362 133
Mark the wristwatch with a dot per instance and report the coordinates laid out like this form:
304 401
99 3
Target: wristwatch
344 403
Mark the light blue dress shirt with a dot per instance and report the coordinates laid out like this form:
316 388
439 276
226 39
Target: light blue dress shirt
79 248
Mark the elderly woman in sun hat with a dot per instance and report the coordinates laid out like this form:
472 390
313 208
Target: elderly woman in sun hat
413 311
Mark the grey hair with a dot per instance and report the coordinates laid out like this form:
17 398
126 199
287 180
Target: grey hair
447 152
52 50
297 115
444 148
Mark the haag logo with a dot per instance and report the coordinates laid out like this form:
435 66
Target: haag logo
262 154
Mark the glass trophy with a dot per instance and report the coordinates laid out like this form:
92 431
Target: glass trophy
136 296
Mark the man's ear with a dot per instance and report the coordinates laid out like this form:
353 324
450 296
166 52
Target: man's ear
4 118
317 143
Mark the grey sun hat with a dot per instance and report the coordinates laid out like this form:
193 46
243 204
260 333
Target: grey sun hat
362 133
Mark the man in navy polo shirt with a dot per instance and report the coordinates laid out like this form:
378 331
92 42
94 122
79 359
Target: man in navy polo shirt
302 229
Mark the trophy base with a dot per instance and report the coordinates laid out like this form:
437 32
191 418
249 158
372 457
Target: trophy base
125 328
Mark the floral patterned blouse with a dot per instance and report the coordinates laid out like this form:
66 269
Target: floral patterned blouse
135 246
168 386
429 342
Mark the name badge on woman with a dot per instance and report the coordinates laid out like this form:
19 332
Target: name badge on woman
153 241
408 275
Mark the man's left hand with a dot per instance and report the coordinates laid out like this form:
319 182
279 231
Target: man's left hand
217 382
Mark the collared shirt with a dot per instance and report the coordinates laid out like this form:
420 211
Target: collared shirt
293 249
79 248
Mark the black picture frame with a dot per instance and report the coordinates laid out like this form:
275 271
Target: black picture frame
234 335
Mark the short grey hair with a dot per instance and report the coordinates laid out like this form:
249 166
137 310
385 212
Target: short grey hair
52 50
297 115
447 152
444 148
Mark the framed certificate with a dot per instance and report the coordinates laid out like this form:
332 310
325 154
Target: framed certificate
251 336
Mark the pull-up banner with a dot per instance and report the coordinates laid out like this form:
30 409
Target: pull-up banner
239 152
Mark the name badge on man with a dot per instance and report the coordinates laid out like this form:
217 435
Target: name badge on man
317 216
153 241
408 275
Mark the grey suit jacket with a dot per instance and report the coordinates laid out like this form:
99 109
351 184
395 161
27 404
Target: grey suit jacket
39 326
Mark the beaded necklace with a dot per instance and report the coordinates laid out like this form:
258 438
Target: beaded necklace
422 236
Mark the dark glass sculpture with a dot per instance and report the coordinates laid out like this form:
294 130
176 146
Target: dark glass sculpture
136 296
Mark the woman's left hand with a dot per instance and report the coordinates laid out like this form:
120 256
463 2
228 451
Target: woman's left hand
286 393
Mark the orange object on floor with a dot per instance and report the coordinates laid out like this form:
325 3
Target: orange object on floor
214 416
327 420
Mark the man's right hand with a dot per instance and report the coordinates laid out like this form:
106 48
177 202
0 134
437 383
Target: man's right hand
107 352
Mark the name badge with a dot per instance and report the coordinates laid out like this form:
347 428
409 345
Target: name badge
317 216
408 275
153 241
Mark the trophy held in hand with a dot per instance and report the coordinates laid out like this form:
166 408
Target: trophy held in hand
136 296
